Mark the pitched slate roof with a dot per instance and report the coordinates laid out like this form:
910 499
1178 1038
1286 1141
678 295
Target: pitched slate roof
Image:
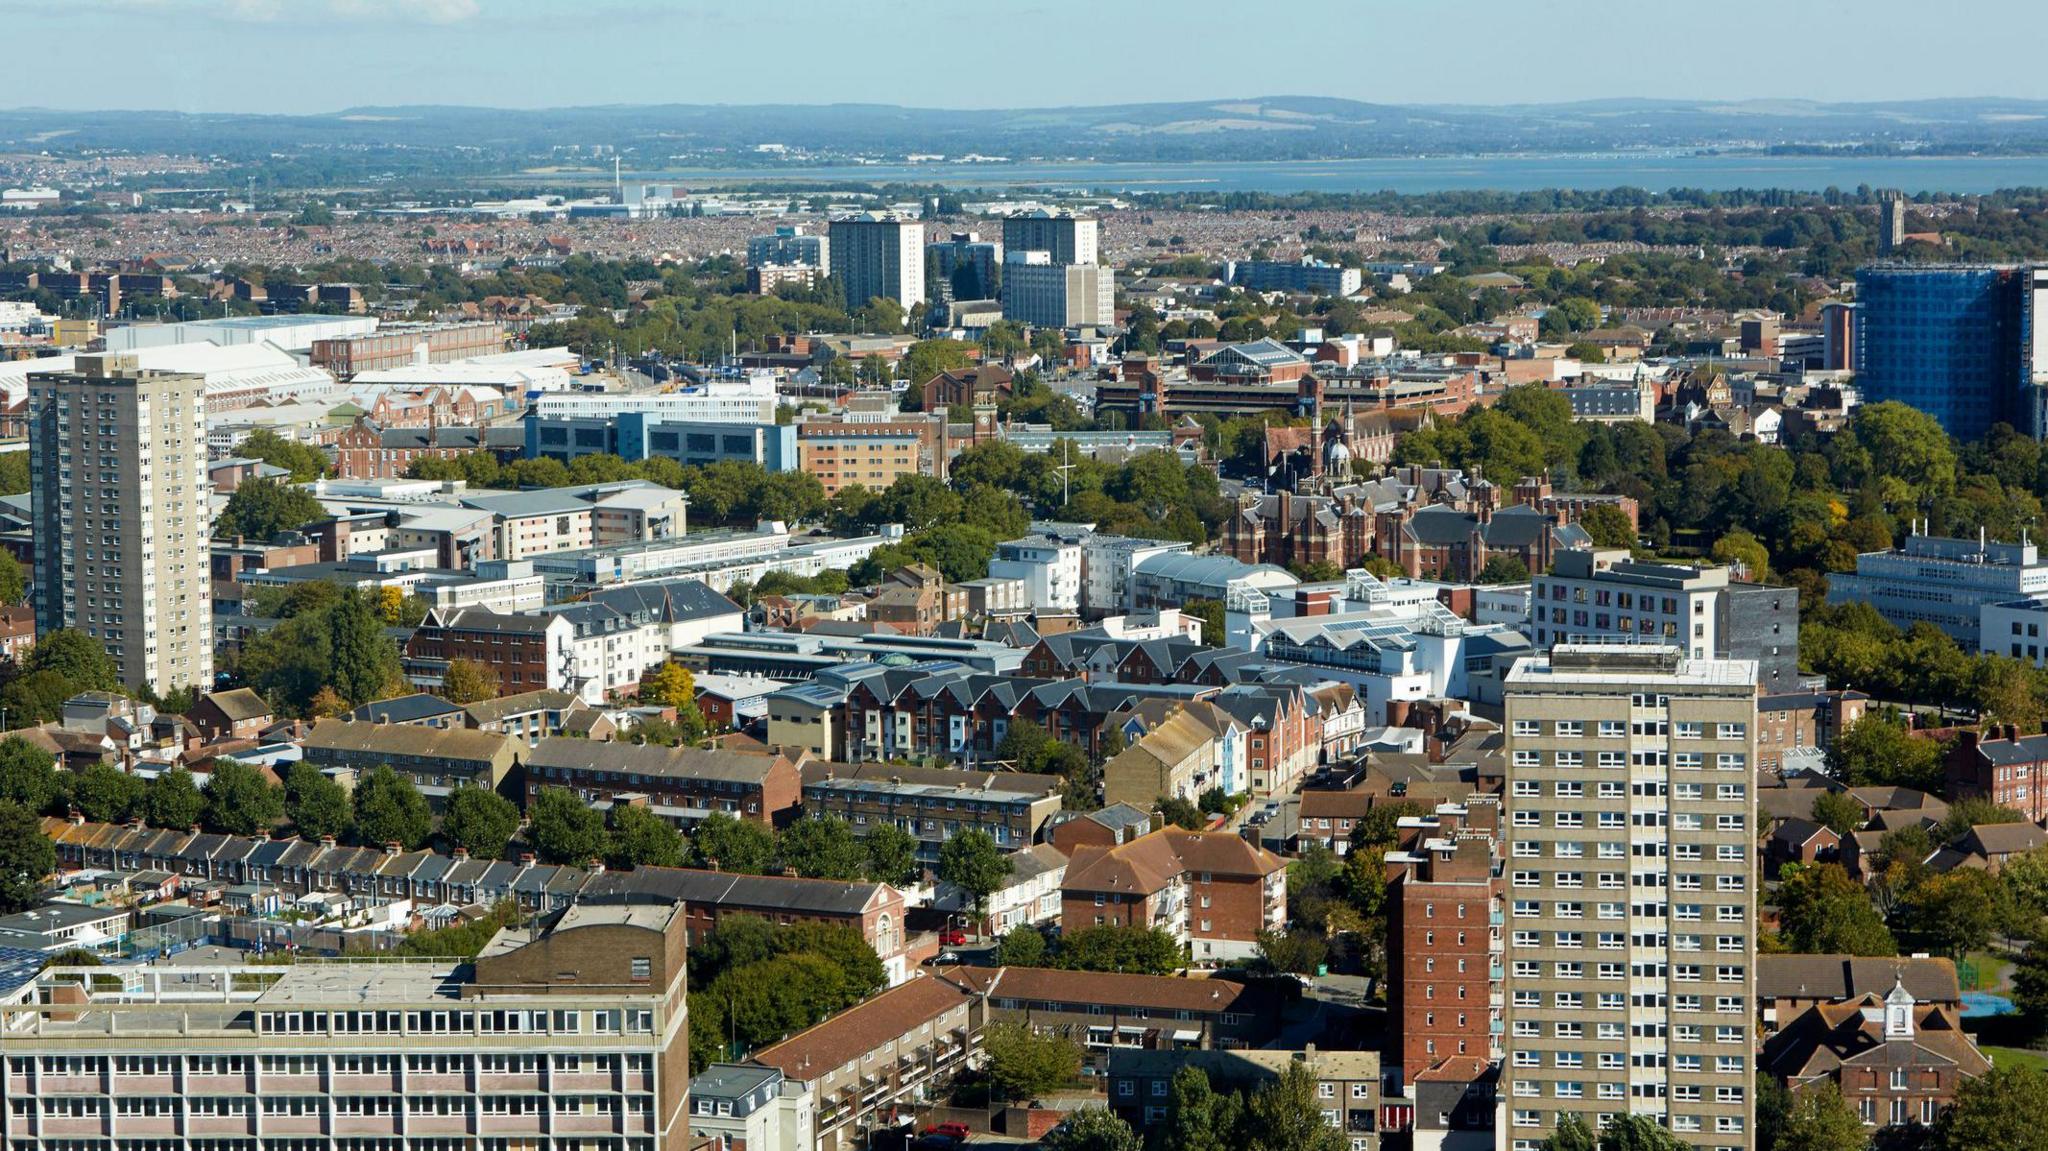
845 1037
1846 977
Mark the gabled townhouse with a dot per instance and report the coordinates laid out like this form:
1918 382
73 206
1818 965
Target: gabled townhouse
1212 891
236 714
529 716
1284 740
521 649
680 784
1197 748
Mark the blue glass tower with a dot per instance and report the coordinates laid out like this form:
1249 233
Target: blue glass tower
1947 340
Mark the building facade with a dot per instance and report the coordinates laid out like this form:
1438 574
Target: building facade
573 1034
117 457
1067 238
1945 581
1631 946
875 254
1044 294
789 246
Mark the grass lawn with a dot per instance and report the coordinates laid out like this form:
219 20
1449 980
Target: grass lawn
1991 969
2017 1057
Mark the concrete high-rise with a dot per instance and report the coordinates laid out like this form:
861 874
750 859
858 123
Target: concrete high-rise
1631 947
1068 238
789 246
877 254
965 266
569 1034
117 460
1042 292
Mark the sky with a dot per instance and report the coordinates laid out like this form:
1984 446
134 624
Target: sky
324 55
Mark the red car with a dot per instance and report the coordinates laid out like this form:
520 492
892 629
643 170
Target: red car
952 937
949 1130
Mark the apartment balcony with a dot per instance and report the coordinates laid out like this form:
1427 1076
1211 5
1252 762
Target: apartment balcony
488 1084
60 1125
133 1125
293 1125
57 1085
200 1126
510 1125
271 1083
373 1084
581 1082
152 1085
366 1125
421 1083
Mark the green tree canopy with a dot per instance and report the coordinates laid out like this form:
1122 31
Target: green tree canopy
972 862
315 803
823 847
241 800
389 809
1024 1063
640 838
723 843
479 821
27 857
1091 1129
259 509
173 800
565 830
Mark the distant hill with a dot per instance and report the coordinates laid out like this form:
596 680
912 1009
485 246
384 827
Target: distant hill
1261 128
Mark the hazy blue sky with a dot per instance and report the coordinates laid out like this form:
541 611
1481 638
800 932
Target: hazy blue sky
320 55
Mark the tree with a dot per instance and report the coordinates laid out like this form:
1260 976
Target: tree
79 658
479 821
389 809
1571 1134
1609 526
673 685
1181 813
1504 568
13 579
723 843
363 661
972 862
1823 911
1739 548
1091 1129
317 806
1838 811
892 855
1197 1117
1211 613
1298 952
1116 947
1998 1111
469 681
260 509
1284 1115
1637 1133
104 793
241 800
27 858
304 461
1877 750
641 838
1820 1120
1021 946
28 775
173 800
1024 1063
1951 913
823 848
563 829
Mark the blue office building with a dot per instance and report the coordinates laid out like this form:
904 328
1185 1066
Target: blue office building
644 435
1948 340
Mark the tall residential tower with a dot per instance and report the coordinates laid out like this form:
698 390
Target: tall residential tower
877 254
117 459
1631 944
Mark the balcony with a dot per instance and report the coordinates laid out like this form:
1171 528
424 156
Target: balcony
198 1126
580 1124
366 1124
421 1124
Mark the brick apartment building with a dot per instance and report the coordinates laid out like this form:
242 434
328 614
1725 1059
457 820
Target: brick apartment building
367 450
682 784
1796 721
2004 766
436 760
891 1052
873 450
1212 891
520 648
1444 944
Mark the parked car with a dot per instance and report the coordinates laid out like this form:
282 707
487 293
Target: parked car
949 1130
952 937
